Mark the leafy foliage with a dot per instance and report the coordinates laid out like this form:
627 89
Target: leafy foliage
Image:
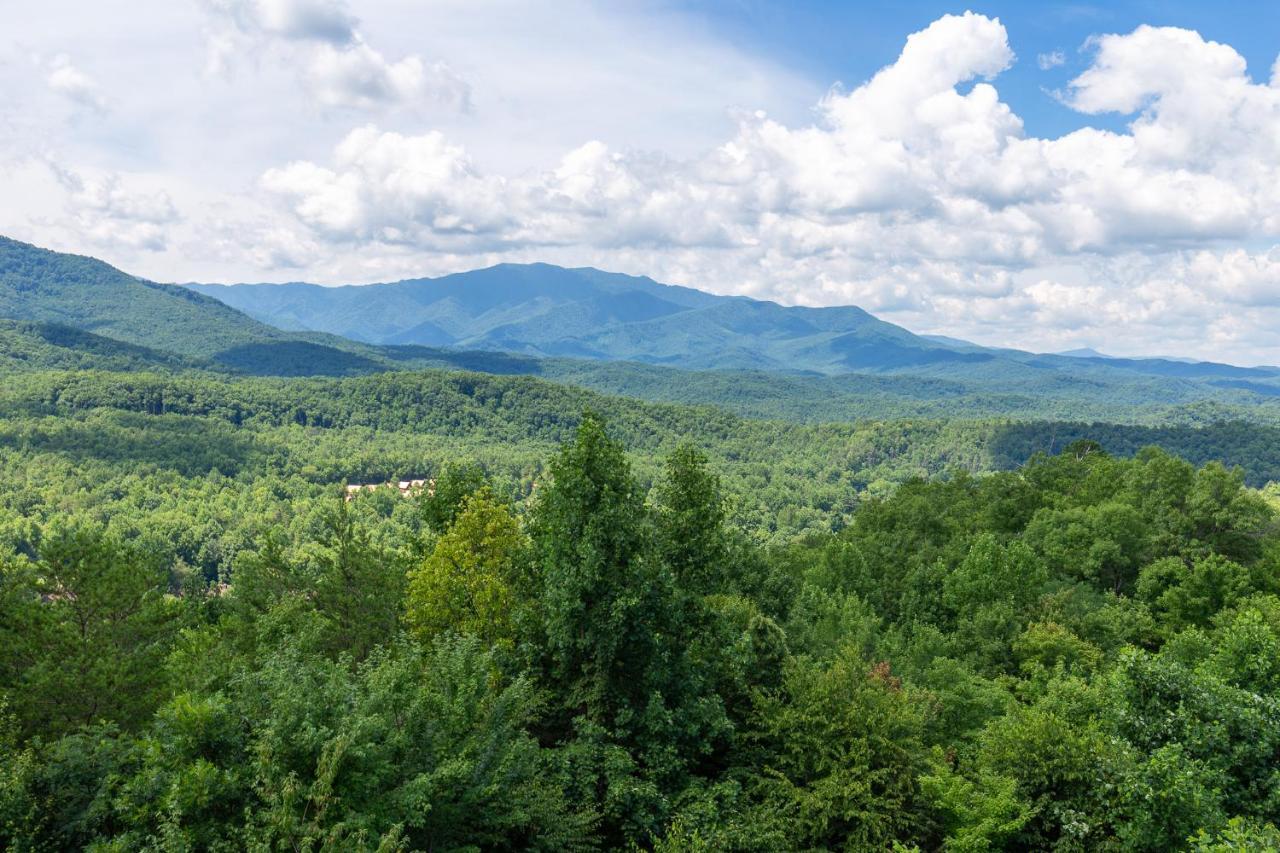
686 631
468 582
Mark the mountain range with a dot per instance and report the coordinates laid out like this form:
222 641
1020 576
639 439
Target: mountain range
550 311
616 333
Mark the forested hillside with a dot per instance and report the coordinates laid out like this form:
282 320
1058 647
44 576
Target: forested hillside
1079 654
72 290
49 291
515 412
27 347
585 313
877 370
31 346
425 599
1116 398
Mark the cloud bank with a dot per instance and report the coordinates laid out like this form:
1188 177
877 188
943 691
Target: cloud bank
918 194
336 64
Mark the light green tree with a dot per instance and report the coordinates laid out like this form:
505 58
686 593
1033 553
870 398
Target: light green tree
466 584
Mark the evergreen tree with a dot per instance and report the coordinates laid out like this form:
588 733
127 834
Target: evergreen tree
84 632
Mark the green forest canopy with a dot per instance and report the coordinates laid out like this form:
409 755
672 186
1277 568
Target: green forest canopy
1077 655
690 630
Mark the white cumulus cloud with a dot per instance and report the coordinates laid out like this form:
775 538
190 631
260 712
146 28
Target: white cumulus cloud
112 213
335 61
69 81
917 193
392 188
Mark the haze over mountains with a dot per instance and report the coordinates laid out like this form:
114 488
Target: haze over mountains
552 311
620 334
545 310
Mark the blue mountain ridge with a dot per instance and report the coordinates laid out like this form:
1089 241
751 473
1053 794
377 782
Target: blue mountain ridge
550 311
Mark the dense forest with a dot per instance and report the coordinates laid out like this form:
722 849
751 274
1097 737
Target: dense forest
1077 655
236 453
284 591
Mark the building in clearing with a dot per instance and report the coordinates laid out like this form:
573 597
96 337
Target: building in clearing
409 488
406 488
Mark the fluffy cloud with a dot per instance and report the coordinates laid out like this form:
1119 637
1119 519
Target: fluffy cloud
1235 277
917 193
113 214
394 189
356 75
336 63
69 81
905 163
318 20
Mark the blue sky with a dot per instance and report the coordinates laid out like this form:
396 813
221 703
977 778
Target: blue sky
1041 175
850 41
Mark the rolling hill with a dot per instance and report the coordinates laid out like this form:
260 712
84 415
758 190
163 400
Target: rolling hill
88 294
548 311
606 332
545 310
28 345
57 291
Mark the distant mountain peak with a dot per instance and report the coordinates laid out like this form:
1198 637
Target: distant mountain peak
530 310
542 309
